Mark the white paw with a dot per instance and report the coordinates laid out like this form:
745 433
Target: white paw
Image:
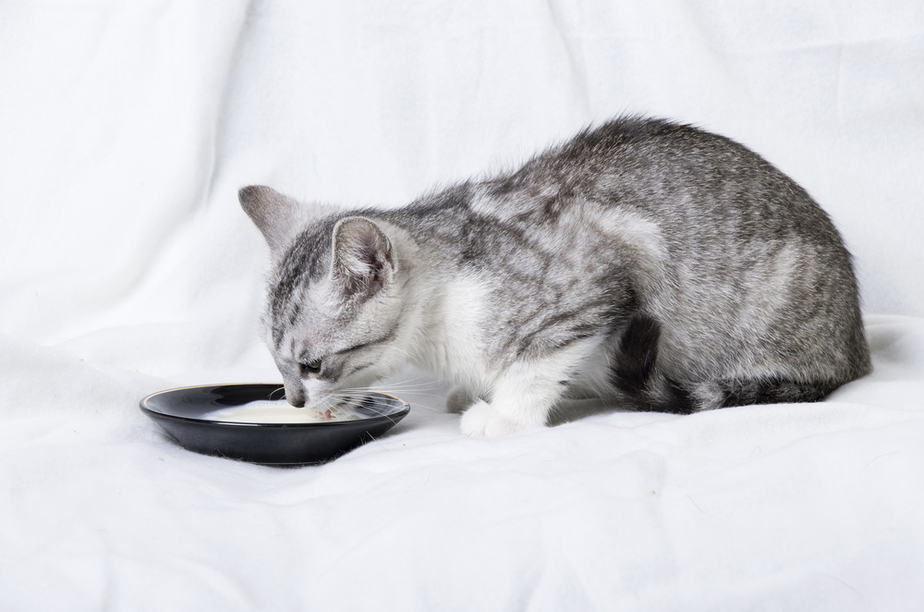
481 420
458 400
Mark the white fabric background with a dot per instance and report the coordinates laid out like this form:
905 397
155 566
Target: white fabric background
126 266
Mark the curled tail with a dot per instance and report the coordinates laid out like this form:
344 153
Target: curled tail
634 372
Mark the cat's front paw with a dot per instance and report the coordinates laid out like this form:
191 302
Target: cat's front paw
481 420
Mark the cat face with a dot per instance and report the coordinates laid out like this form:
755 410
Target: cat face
333 307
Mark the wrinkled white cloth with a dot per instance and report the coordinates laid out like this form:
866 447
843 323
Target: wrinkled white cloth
126 266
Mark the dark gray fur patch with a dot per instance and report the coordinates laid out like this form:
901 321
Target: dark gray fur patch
308 259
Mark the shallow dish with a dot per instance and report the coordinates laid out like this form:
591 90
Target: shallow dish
184 413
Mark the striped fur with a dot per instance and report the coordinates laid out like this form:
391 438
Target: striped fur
700 273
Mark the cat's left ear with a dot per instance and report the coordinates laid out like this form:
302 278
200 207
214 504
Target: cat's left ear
363 258
278 217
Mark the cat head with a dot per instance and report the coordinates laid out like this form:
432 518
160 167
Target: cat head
334 306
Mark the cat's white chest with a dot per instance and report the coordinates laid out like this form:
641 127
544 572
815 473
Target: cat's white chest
456 348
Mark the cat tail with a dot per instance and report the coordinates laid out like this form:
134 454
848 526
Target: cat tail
635 372
772 390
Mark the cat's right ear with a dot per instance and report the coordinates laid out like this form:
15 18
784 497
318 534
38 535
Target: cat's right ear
278 217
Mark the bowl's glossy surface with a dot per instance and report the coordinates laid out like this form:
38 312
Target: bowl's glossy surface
183 414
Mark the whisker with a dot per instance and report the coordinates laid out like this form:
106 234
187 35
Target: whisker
402 385
367 407
360 400
366 394
391 391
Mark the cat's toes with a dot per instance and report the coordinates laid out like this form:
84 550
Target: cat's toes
458 400
475 419
481 420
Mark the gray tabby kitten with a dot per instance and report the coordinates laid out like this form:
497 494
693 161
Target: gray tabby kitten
651 264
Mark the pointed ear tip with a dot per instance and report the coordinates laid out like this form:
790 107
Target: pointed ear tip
357 222
249 193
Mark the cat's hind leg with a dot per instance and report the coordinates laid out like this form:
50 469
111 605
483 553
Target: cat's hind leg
635 371
526 392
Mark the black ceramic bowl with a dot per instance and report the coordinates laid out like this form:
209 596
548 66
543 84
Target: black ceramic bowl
182 413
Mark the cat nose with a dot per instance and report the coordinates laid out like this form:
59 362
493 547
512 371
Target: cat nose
295 396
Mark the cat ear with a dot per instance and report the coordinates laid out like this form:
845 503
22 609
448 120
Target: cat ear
363 258
278 217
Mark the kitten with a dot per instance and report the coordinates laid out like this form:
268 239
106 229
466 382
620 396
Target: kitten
648 263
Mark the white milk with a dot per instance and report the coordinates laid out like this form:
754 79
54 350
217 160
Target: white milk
279 411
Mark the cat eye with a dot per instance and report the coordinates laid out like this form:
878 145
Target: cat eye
310 367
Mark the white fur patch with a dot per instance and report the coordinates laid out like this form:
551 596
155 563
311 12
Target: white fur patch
526 392
482 420
451 343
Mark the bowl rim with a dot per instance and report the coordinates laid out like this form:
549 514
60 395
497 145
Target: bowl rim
143 404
